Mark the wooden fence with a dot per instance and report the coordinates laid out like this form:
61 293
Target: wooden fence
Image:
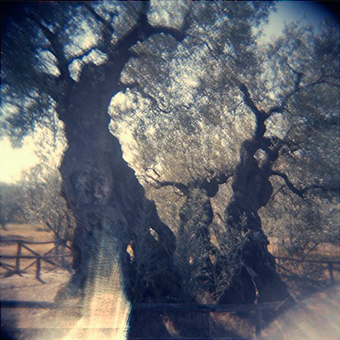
60 245
257 309
206 309
59 249
330 266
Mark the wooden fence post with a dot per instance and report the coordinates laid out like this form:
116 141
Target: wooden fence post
258 323
330 269
208 324
63 263
17 261
38 269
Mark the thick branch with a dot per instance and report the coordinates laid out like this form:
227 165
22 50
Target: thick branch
260 114
142 31
56 48
119 54
161 184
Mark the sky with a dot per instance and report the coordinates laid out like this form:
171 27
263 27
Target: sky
13 161
289 11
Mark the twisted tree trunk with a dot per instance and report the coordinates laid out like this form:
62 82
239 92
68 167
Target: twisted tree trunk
108 202
256 278
196 215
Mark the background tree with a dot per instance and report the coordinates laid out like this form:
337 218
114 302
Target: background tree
43 204
219 116
11 204
42 184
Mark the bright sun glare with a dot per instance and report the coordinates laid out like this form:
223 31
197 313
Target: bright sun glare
13 161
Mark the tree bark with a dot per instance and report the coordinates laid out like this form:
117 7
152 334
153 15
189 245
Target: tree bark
108 203
98 185
103 192
196 215
256 278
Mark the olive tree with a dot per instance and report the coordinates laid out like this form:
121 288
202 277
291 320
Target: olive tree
11 204
261 117
68 58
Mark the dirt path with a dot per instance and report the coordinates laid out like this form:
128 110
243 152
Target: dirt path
27 287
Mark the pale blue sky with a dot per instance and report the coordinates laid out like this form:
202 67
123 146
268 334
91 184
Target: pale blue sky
289 11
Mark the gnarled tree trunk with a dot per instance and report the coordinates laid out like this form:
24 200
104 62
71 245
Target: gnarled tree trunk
106 198
256 278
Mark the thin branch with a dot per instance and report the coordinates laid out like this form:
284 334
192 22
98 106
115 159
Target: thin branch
161 184
140 89
325 188
295 90
289 184
157 174
297 87
299 76
322 80
107 29
301 192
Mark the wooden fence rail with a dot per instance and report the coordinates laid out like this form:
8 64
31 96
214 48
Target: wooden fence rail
257 309
61 244
38 258
330 264
172 307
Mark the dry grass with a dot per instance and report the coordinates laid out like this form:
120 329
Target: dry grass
27 232
325 251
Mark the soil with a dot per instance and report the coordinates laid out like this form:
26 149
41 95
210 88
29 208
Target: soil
53 324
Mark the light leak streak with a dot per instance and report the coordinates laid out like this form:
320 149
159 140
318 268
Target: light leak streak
316 318
105 309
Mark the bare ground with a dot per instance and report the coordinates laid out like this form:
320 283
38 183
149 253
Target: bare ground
317 316
27 287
